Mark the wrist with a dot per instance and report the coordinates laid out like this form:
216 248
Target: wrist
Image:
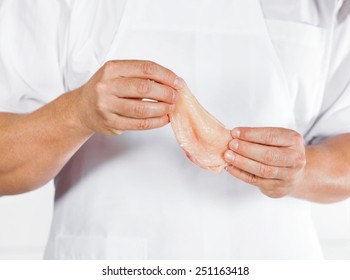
76 115
310 180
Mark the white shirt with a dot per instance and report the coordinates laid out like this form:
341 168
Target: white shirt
136 196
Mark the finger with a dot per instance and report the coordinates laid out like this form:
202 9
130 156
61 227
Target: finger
274 156
140 109
117 122
141 88
143 69
267 184
272 136
256 168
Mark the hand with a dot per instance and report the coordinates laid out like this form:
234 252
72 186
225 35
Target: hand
113 99
272 159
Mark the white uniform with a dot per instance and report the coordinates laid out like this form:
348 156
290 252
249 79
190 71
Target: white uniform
250 63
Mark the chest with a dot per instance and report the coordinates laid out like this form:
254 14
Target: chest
243 69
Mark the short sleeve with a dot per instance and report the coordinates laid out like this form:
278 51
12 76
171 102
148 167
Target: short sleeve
32 50
334 117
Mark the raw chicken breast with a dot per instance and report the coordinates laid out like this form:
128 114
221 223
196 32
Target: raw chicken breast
203 138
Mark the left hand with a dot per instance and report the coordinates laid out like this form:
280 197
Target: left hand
273 159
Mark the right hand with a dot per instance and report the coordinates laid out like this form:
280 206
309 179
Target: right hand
112 100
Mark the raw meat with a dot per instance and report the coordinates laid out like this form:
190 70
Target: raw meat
202 137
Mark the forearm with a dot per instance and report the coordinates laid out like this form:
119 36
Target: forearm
327 171
34 147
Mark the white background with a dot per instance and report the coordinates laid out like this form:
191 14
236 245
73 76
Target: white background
258 270
25 224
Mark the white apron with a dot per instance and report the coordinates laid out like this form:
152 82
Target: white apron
137 196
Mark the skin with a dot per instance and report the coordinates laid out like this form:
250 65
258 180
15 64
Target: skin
273 159
34 147
276 161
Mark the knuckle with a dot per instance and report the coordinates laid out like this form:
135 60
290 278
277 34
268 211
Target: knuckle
148 67
247 177
270 156
139 110
144 124
108 67
100 105
167 94
100 87
267 171
170 76
144 87
251 179
285 160
270 136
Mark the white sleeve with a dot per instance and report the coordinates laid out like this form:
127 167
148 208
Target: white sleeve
31 53
334 117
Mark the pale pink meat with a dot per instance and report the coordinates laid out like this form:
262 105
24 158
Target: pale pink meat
202 137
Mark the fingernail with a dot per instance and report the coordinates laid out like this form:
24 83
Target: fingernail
174 97
178 83
230 156
234 145
236 133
